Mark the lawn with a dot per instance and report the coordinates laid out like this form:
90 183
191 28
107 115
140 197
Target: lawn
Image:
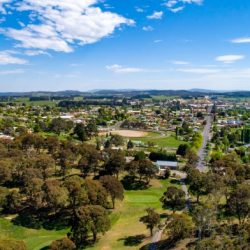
34 239
168 141
127 226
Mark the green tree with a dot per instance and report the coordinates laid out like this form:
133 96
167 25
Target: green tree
34 193
151 220
115 164
92 219
97 194
113 187
56 195
239 202
147 170
195 179
91 129
77 192
62 244
183 150
192 157
174 198
80 131
130 144
215 242
204 217
11 244
179 226
4 192
117 140
45 163
6 168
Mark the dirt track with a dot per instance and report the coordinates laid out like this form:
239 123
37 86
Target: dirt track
127 133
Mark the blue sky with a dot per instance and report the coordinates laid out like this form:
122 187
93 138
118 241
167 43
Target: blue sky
138 44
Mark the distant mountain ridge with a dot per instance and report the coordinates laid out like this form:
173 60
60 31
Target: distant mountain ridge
126 92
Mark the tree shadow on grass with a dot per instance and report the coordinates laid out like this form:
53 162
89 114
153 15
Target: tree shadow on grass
45 248
27 219
161 245
164 216
175 181
56 222
133 240
38 221
132 183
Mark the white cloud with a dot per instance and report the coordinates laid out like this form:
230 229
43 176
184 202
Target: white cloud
199 70
192 1
178 9
6 58
59 25
229 58
171 3
11 72
120 69
2 3
180 62
241 40
36 53
148 28
139 10
158 41
178 5
156 15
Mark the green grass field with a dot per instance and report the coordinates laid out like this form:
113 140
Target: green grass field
168 141
125 222
34 239
35 103
127 215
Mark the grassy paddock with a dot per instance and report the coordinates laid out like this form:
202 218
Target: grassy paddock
27 101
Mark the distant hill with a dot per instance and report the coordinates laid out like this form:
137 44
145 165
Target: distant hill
127 93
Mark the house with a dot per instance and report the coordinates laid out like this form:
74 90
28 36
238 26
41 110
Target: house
163 165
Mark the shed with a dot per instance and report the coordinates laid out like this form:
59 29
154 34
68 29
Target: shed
163 165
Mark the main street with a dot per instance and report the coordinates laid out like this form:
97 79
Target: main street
206 137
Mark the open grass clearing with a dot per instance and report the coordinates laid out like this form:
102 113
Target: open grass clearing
167 141
35 239
127 227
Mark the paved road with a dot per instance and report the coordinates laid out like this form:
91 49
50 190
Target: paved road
116 126
185 189
206 136
155 239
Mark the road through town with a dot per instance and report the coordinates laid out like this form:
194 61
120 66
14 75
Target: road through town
206 137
